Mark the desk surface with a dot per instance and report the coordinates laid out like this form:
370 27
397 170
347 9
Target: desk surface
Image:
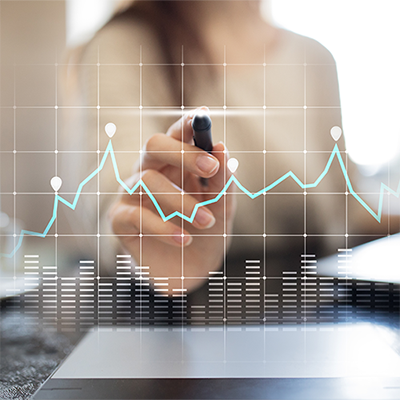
28 354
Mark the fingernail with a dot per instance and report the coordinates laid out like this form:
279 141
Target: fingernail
204 218
207 164
181 238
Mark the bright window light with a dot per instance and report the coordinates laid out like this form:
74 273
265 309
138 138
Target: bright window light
364 38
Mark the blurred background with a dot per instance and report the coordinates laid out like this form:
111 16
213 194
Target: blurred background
363 36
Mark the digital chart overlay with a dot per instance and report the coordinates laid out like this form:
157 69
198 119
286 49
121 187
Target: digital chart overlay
56 184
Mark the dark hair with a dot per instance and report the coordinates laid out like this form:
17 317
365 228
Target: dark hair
175 28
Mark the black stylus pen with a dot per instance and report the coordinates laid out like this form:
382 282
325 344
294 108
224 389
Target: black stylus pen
201 125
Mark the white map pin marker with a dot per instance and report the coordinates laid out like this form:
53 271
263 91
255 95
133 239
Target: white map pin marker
56 183
336 132
110 129
233 164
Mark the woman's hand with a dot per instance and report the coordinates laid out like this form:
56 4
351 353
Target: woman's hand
170 168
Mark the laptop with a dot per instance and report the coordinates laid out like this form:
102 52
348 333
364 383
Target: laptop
345 360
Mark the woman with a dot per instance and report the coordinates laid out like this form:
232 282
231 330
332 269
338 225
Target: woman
273 99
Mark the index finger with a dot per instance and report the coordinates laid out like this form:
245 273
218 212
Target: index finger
182 129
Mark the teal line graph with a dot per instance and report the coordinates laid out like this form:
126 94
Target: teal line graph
232 179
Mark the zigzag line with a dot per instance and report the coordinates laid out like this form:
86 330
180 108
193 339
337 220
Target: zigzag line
232 179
